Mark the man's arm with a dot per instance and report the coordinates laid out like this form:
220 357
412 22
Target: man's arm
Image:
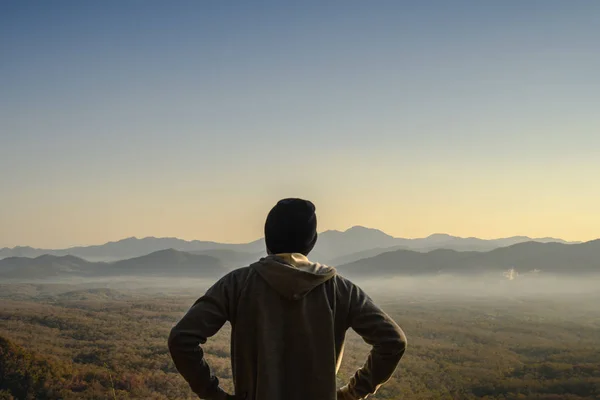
388 345
203 320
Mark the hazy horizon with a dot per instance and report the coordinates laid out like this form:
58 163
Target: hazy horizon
191 119
262 237
485 285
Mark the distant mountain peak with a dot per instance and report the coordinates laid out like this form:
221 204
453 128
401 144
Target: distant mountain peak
358 229
167 251
361 228
165 254
355 229
127 239
440 236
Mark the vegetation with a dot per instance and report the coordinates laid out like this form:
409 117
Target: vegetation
61 343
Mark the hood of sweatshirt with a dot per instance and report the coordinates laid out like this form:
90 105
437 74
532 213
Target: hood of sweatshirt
293 275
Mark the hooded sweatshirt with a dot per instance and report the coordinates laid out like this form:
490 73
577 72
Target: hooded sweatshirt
289 319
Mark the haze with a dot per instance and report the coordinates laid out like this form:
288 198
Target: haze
396 289
191 119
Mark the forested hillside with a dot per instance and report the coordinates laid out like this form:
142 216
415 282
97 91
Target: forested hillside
101 343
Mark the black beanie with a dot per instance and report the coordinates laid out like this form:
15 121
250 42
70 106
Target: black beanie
291 227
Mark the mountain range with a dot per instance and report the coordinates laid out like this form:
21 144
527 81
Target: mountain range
556 258
163 263
333 247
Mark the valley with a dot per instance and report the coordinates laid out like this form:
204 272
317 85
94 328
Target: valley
89 342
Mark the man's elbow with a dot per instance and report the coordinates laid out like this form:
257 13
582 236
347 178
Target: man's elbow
173 341
398 343
402 341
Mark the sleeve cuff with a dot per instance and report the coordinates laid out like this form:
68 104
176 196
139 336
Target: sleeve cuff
345 394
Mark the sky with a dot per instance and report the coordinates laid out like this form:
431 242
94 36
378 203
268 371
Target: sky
192 118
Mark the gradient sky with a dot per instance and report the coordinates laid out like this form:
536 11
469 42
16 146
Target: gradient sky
191 118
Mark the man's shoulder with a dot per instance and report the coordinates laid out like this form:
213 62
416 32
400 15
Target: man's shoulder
238 273
343 282
349 289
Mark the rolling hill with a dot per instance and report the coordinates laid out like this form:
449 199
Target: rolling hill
166 263
44 267
574 259
171 263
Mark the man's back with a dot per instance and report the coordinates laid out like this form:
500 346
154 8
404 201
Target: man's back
289 318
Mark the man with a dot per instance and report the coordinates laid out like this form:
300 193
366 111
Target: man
289 318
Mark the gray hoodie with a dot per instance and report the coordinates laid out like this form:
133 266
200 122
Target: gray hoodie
289 318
